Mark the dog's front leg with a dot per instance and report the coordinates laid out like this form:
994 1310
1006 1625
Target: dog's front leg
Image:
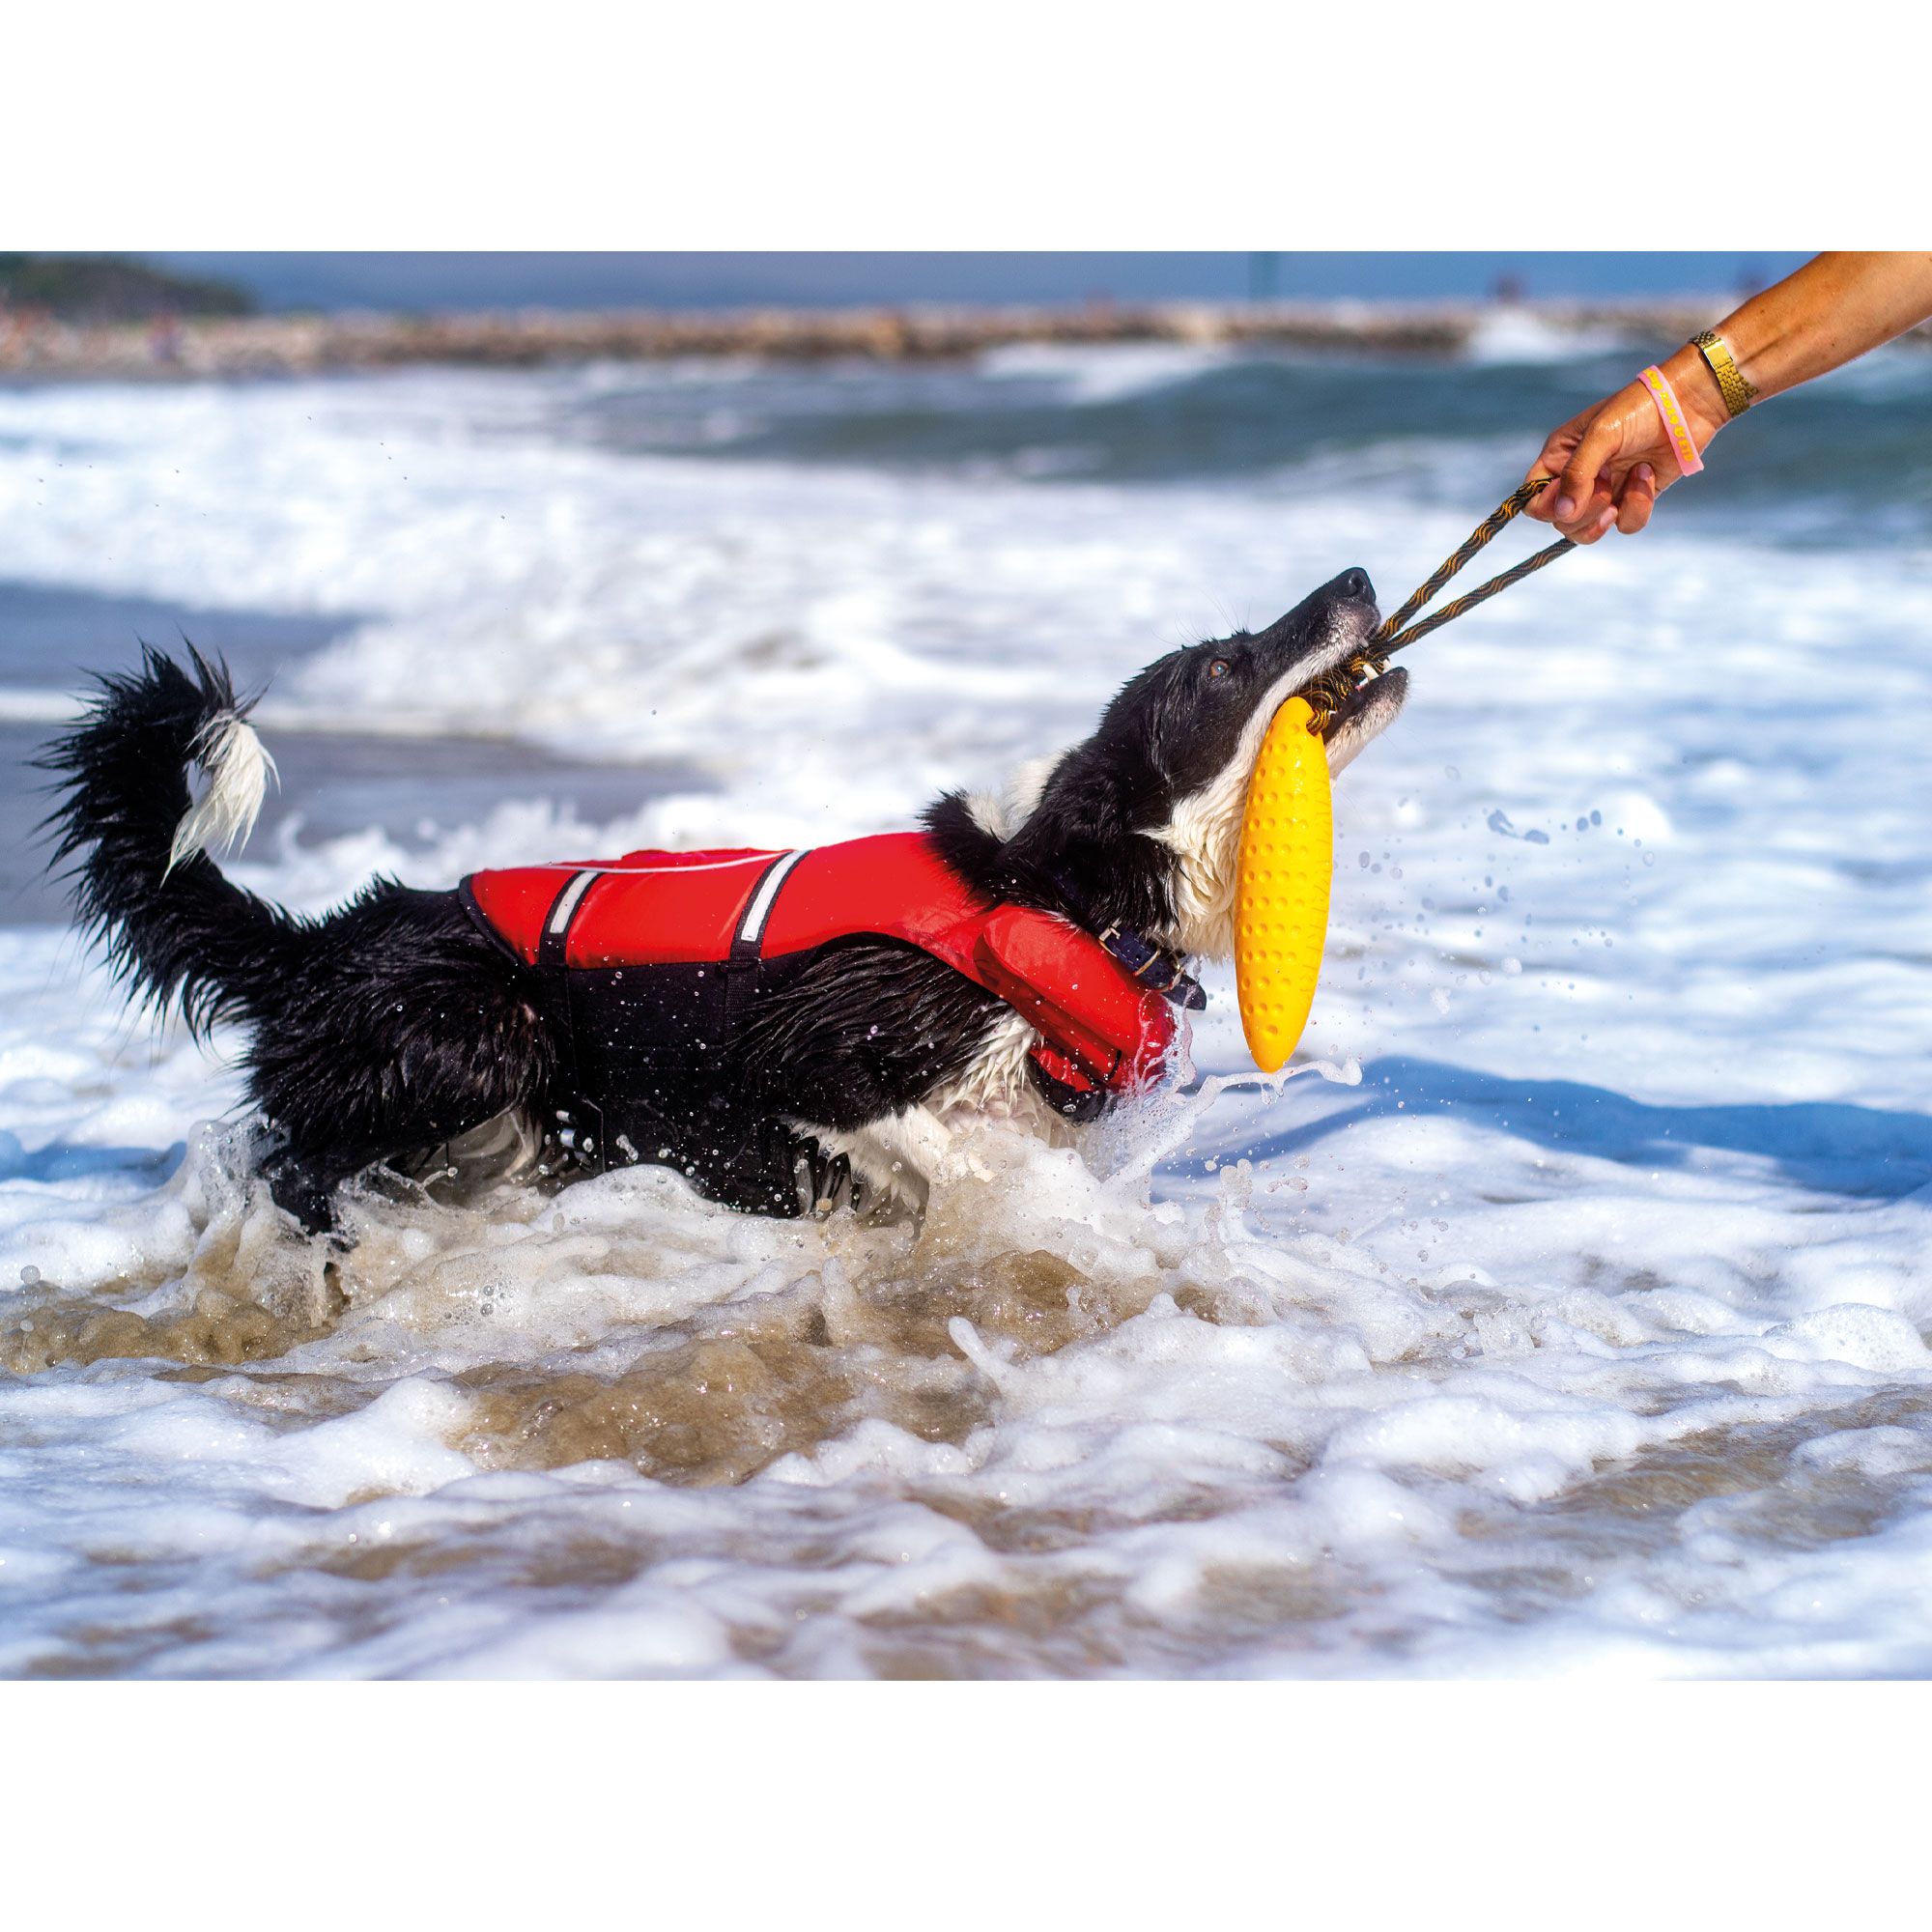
759 1165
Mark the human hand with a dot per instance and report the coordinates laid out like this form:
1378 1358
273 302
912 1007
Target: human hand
1614 460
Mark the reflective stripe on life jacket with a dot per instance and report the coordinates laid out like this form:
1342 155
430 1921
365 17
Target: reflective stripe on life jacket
1099 1026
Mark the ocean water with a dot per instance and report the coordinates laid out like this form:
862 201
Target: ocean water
1562 1310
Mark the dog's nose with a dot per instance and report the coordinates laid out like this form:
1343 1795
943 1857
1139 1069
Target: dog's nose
1355 584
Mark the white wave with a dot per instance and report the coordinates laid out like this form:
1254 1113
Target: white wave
1520 335
39 707
1104 371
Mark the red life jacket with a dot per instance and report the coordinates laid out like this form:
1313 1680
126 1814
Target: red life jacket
1099 1027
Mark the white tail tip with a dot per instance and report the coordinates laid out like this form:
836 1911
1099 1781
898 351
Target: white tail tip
239 768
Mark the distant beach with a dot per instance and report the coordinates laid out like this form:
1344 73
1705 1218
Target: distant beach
38 343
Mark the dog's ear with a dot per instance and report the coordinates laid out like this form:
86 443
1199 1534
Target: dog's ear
1077 815
1075 852
1083 810
1081 839
964 843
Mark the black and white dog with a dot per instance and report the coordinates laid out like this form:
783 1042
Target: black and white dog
393 1028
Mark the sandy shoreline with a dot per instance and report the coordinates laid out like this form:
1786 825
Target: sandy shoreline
39 346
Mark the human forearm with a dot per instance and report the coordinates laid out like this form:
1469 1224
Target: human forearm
1615 458
1826 314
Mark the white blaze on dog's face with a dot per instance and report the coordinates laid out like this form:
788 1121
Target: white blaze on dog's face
1212 753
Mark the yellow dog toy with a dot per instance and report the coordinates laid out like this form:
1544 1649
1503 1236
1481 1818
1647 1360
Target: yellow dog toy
1281 884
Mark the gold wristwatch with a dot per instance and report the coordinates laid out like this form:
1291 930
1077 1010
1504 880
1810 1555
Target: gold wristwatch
1717 358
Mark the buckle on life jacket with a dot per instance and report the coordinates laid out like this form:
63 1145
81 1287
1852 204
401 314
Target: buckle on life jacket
1145 961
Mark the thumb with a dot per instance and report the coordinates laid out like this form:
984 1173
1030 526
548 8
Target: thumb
1577 484
1548 464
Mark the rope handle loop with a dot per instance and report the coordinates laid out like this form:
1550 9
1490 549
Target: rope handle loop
1326 694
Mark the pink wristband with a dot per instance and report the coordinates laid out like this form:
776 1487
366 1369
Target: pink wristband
1688 462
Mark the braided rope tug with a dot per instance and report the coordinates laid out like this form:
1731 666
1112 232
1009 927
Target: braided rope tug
1287 857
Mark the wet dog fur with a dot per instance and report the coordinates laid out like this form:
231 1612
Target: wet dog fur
392 1026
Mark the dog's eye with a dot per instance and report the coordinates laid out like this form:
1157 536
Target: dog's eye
1218 668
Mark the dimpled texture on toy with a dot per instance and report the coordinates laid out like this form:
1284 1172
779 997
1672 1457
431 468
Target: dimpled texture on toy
1281 884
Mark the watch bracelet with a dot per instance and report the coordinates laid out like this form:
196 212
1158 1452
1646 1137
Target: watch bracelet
1737 390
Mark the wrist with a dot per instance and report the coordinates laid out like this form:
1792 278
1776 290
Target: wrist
1699 392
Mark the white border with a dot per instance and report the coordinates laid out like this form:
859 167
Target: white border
1010 125
934 1806
1014 123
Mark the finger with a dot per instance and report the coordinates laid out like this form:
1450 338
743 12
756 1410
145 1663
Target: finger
1597 514
1580 496
1549 462
1592 527
1638 498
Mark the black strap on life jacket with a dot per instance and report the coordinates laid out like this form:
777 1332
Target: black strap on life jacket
553 948
587 1136
741 970
739 974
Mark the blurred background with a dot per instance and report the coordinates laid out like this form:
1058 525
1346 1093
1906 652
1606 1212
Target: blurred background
459 280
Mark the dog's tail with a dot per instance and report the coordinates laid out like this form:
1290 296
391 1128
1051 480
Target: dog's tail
145 883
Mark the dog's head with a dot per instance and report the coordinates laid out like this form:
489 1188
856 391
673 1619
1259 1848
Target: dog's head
1143 822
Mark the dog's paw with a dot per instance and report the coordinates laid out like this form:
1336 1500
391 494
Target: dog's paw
825 1181
815 1181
